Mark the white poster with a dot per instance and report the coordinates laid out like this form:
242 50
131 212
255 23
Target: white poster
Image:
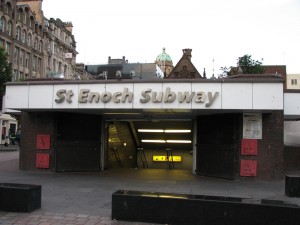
252 126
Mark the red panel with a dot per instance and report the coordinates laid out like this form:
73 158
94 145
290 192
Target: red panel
42 161
248 168
43 141
249 147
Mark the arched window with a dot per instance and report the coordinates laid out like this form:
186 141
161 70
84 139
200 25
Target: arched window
18 33
35 45
29 39
9 28
2 24
9 9
23 37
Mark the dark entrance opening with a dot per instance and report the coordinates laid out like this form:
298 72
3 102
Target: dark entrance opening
217 138
78 142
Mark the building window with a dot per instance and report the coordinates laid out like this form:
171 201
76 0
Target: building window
16 55
27 57
26 16
39 63
18 33
21 15
40 46
9 27
34 63
294 81
49 62
23 36
15 75
22 52
2 24
9 9
1 42
31 23
35 46
8 47
29 39
54 65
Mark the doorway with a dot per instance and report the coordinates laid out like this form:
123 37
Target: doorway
78 143
160 144
217 139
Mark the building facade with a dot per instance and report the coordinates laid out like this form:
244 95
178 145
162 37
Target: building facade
38 47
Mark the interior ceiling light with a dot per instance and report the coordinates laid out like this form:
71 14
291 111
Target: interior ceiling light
179 141
122 113
161 131
177 131
154 141
151 130
167 141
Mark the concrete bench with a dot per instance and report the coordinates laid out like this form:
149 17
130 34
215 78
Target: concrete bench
20 197
167 208
292 185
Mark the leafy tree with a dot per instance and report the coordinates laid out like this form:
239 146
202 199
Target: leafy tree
249 65
246 65
5 72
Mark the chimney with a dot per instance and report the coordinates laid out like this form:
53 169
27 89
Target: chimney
69 26
187 52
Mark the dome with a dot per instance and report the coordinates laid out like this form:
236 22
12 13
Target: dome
163 57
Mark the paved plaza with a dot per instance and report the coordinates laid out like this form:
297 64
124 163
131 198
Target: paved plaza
85 198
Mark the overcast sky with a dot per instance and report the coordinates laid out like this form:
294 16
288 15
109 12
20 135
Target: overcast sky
217 31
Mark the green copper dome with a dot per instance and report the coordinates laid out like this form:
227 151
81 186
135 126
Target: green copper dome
163 57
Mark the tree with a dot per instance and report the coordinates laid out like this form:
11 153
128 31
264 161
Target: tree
245 65
249 65
5 72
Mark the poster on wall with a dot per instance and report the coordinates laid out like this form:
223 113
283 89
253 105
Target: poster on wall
249 147
248 168
252 126
42 161
43 141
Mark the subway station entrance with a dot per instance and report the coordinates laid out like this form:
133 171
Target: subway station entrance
193 125
204 145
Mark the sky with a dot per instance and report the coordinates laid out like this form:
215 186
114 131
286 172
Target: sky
217 31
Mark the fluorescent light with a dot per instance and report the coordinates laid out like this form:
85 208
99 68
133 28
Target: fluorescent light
154 141
161 131
177 131
179 141
151 130
122 113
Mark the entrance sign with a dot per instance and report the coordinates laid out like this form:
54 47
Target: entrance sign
190 95
169 96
